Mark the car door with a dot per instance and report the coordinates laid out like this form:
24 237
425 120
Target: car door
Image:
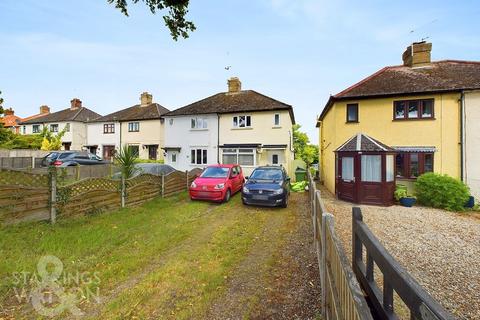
238 179
82 159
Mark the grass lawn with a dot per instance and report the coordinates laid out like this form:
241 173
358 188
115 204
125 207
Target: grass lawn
169 258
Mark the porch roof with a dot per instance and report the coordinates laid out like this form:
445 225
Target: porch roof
364 143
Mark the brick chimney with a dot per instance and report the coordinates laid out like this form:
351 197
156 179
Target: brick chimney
234 85
417 55
146 99
44 109
75 103
9 112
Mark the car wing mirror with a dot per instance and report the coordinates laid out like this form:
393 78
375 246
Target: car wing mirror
246 177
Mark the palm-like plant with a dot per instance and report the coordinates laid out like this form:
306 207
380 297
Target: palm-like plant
126 160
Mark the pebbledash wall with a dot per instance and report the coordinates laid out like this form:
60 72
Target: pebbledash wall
376 119
471 154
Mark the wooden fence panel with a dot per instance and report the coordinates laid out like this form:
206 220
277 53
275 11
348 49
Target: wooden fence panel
342 297
20 203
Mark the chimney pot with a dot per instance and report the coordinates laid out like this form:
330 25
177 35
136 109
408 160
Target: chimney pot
75 103
9 112
146 99
417 55
44 109
234 85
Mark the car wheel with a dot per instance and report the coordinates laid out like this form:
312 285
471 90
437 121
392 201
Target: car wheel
285 202
227 196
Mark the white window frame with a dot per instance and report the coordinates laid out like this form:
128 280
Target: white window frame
199 123
54 125
236 121
173 157
37 130
275 117
237 152
134 126
194 156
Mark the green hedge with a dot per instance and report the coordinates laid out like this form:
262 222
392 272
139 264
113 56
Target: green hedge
441 191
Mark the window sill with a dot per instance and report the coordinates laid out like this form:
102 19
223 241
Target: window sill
202 129
352 122
246 128
414 119
406 179
277 127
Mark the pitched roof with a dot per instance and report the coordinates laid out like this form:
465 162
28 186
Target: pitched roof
439 76
364 143
81 114
10 120
35 116
136 112
224 102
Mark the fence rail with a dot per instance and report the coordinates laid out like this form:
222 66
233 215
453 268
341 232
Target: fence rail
26 196
342 297
395 279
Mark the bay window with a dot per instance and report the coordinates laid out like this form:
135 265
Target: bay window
411 165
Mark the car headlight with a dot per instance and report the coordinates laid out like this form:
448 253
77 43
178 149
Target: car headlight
193 185
220 186
246 190
278 191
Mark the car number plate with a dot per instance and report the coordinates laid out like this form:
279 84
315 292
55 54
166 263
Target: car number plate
260 197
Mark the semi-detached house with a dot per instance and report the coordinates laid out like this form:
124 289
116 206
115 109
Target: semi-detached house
399 123
139 127
73 120
235 127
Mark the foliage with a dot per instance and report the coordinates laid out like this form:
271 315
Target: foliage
126 160
18 141
1 104
174 20
302 147
51 141
401 191
441 191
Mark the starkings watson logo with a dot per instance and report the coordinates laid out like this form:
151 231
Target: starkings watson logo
51 291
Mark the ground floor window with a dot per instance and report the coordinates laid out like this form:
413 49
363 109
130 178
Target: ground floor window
173 158
243 157
135 150
275 159
411 165
198 156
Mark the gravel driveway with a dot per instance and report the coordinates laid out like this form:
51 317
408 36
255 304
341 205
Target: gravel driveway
440 249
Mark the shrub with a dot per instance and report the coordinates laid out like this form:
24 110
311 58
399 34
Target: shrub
400 192
441 191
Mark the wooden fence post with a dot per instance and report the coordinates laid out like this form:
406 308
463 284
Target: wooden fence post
123 191
77 172
53 195
323 265
186 177
163 185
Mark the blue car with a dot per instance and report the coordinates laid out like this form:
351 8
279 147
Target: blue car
267 186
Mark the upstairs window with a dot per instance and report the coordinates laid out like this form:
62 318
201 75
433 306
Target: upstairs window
36 128
242 122
352 112
413 109
198 123
54 128
133 126
67 127
109 128
276 120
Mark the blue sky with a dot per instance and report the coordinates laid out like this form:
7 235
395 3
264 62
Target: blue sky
297 51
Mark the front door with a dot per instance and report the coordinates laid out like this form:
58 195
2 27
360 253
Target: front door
66 146
152 152
346 187
108 152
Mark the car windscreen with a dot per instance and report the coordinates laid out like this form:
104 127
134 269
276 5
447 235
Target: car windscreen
215 172
64 155
52 155
267 174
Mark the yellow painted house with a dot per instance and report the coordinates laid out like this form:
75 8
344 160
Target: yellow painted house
415 109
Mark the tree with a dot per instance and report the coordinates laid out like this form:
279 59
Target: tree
50 141
302 147
1 104
174 20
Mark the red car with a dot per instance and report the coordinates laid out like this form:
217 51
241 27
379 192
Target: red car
217 183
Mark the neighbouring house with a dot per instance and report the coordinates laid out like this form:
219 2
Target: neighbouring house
140 127
414 109
11 121
471 140
235 127
73 120
44 110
